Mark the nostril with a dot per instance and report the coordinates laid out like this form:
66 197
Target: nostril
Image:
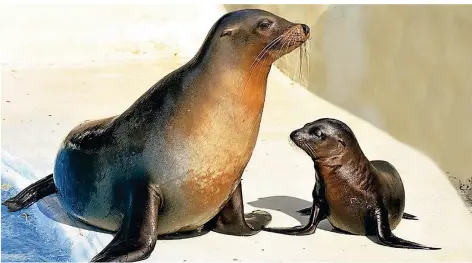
297 136
306 29
294 135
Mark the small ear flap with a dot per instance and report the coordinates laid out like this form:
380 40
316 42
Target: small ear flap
226 32
342 142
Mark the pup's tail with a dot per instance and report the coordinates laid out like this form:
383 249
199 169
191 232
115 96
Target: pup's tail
409 216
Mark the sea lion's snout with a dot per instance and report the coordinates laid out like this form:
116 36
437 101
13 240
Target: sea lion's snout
299 33
300 137
303 140
306 29
294 135
293 36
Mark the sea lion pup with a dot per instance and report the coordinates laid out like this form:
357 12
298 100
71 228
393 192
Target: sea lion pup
357 196
173 161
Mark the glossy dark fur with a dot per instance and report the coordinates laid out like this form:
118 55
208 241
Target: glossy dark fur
172 162
356 196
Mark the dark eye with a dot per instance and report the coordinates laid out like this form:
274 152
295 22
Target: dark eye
264 24
226 32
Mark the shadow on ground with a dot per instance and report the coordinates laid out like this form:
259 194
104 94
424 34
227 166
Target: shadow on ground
52 208
289 205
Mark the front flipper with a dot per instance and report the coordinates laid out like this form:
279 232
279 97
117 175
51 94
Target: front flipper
136 238
316 216
184 235
231 220
317 212
385 235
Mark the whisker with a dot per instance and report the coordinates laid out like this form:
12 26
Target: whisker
284 41
290 38
265 49
307 58
259 70
259 59
285 37
310 149
300 61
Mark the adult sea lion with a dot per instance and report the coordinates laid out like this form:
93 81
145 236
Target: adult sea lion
173 161
357 196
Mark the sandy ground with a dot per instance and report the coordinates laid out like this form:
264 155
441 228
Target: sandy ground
45 96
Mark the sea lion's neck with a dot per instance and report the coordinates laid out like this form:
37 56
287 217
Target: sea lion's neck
239 79
352 166
231 67
232 62
206 82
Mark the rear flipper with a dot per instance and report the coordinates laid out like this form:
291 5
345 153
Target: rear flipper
137 236
305 211
316 216
409 216
385 235
31 194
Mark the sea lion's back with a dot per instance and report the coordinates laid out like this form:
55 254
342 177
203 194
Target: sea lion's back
392 190
89 136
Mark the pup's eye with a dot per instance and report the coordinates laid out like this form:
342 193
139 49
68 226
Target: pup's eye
226 32
264 25
318 133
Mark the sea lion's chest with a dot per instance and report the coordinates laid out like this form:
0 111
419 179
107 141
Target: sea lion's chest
199 192
210 152
213 141
348 208
214 172
206 191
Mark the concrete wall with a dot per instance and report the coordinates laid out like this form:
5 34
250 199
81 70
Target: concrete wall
407 69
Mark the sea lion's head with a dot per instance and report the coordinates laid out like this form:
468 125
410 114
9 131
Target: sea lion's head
253 35
325 138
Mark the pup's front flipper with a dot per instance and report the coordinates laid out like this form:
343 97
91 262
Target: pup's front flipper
316 216
318 212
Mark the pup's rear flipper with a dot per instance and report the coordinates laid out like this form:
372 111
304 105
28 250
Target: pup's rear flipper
31 194
394 241
385 235
409 216
305 211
